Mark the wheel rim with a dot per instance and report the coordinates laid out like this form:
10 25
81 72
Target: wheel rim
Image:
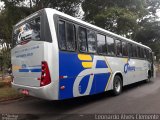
118 86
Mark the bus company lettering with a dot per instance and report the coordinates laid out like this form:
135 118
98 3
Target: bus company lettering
127 68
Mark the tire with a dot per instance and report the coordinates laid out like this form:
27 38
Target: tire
149 77
117 85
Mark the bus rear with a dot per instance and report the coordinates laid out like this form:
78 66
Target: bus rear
31 58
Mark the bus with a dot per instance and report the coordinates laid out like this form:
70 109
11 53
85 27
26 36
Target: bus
56 57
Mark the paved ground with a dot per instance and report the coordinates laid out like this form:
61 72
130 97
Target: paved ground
137 98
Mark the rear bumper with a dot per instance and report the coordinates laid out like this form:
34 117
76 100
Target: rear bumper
46 92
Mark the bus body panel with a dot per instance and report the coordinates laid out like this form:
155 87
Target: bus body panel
84 74
73 74
45 52
48 92
27 69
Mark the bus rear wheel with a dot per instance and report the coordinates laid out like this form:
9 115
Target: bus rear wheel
149 77
117 85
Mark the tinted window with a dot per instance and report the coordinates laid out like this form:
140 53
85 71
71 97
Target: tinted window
110 45
70 36
124 49
118 47
139 52
82 38
134 50
150 56
130 49
62 38
147 54
91 38
28 31
101 44
142 53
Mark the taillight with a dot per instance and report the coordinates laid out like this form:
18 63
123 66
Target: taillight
45 74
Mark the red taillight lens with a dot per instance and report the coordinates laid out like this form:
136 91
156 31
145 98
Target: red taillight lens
45 75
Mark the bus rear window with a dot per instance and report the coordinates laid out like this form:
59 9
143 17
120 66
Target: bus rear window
28 31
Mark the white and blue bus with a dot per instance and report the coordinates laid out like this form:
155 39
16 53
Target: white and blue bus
56 56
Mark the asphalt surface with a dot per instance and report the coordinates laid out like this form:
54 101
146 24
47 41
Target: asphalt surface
137 98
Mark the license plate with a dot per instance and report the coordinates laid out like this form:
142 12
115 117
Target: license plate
25 92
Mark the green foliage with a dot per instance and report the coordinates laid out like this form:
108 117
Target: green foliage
149 34
15 10
5 57
118 16
70 7
118 20
135 19
131 18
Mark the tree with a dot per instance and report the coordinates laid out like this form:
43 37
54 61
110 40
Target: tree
135 19
119 16
15 10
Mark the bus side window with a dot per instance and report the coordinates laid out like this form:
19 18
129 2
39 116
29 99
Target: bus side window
124 49
101 44
82 39
62 38
130 49
142 53
139 52
118 47
134 51
111 46
147 54
70 34
91 39
150 56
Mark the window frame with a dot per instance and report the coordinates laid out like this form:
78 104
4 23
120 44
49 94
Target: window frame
96 31
135 55
58 36
79 42
105 44
40 16
127 49
116 47
66 33
95 41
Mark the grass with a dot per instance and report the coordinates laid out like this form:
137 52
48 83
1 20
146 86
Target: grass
0 72
7 92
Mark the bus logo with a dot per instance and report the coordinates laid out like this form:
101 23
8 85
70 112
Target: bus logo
90 71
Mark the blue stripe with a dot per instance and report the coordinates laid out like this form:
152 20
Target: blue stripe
23 70
30 70
36 70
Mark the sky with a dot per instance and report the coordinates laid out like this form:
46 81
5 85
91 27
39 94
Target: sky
158 13
1 5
